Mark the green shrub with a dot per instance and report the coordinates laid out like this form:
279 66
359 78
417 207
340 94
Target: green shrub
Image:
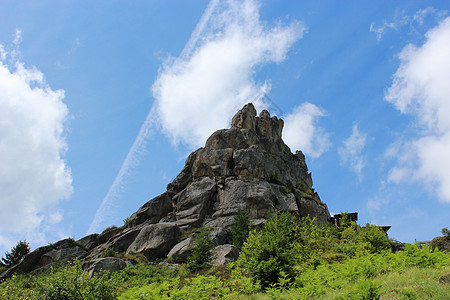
68 282
240 229
142 274
270 251
373 239
201 253
75 243
445 232
126 222
362 290
110 252
110 228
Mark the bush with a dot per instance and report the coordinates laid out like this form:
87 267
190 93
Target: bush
201 253
240 229
69 282
373 239
270 251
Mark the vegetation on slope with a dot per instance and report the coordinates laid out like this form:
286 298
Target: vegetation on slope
282 260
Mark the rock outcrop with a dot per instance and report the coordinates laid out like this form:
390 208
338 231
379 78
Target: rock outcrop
246 167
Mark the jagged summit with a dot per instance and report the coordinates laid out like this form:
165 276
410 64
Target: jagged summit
247 166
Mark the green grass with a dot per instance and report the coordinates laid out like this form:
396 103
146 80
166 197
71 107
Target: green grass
352 262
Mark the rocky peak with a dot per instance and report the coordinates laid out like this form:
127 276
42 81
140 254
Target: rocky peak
264 125
246 167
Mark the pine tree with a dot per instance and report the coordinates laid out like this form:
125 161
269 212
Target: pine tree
17 253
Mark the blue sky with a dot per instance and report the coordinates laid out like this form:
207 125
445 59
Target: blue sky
102 101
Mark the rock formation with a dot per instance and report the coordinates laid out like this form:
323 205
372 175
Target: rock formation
247 167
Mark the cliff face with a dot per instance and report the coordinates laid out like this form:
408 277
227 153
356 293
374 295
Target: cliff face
245 167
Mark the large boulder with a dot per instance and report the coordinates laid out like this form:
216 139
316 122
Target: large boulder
224 254
155 240
442 243
181 251
153 211
41 257
104 265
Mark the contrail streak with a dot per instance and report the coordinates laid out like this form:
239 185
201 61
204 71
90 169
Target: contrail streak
105 211
129 163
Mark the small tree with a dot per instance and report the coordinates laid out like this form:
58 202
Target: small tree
271 252
445 232
201 252
17 253
240 229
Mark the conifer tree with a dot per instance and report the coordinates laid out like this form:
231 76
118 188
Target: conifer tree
17 253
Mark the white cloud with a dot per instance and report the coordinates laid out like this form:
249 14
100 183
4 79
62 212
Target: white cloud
200 91
351 151
300 130
34 177
421 88
381 29
402 20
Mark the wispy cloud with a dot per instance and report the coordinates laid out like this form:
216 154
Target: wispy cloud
402 20
381 29
351 151
421 89
200 91
34 176
301 131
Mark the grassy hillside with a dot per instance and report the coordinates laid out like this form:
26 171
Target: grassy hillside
280 261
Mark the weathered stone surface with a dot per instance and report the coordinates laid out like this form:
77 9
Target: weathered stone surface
245 118
108 233
311 207
220 235
224 254
90 242
155 240
256 197
442 243
152 211
61 254
194 201
29 263
100 266
182 250
43 256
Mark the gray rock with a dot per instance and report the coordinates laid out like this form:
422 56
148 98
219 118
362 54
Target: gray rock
182 250
220 235
44 256
224 254
108 233
89 242
152 211
155 240
256 197
245 118
61 254
310 207
193 202
104 265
